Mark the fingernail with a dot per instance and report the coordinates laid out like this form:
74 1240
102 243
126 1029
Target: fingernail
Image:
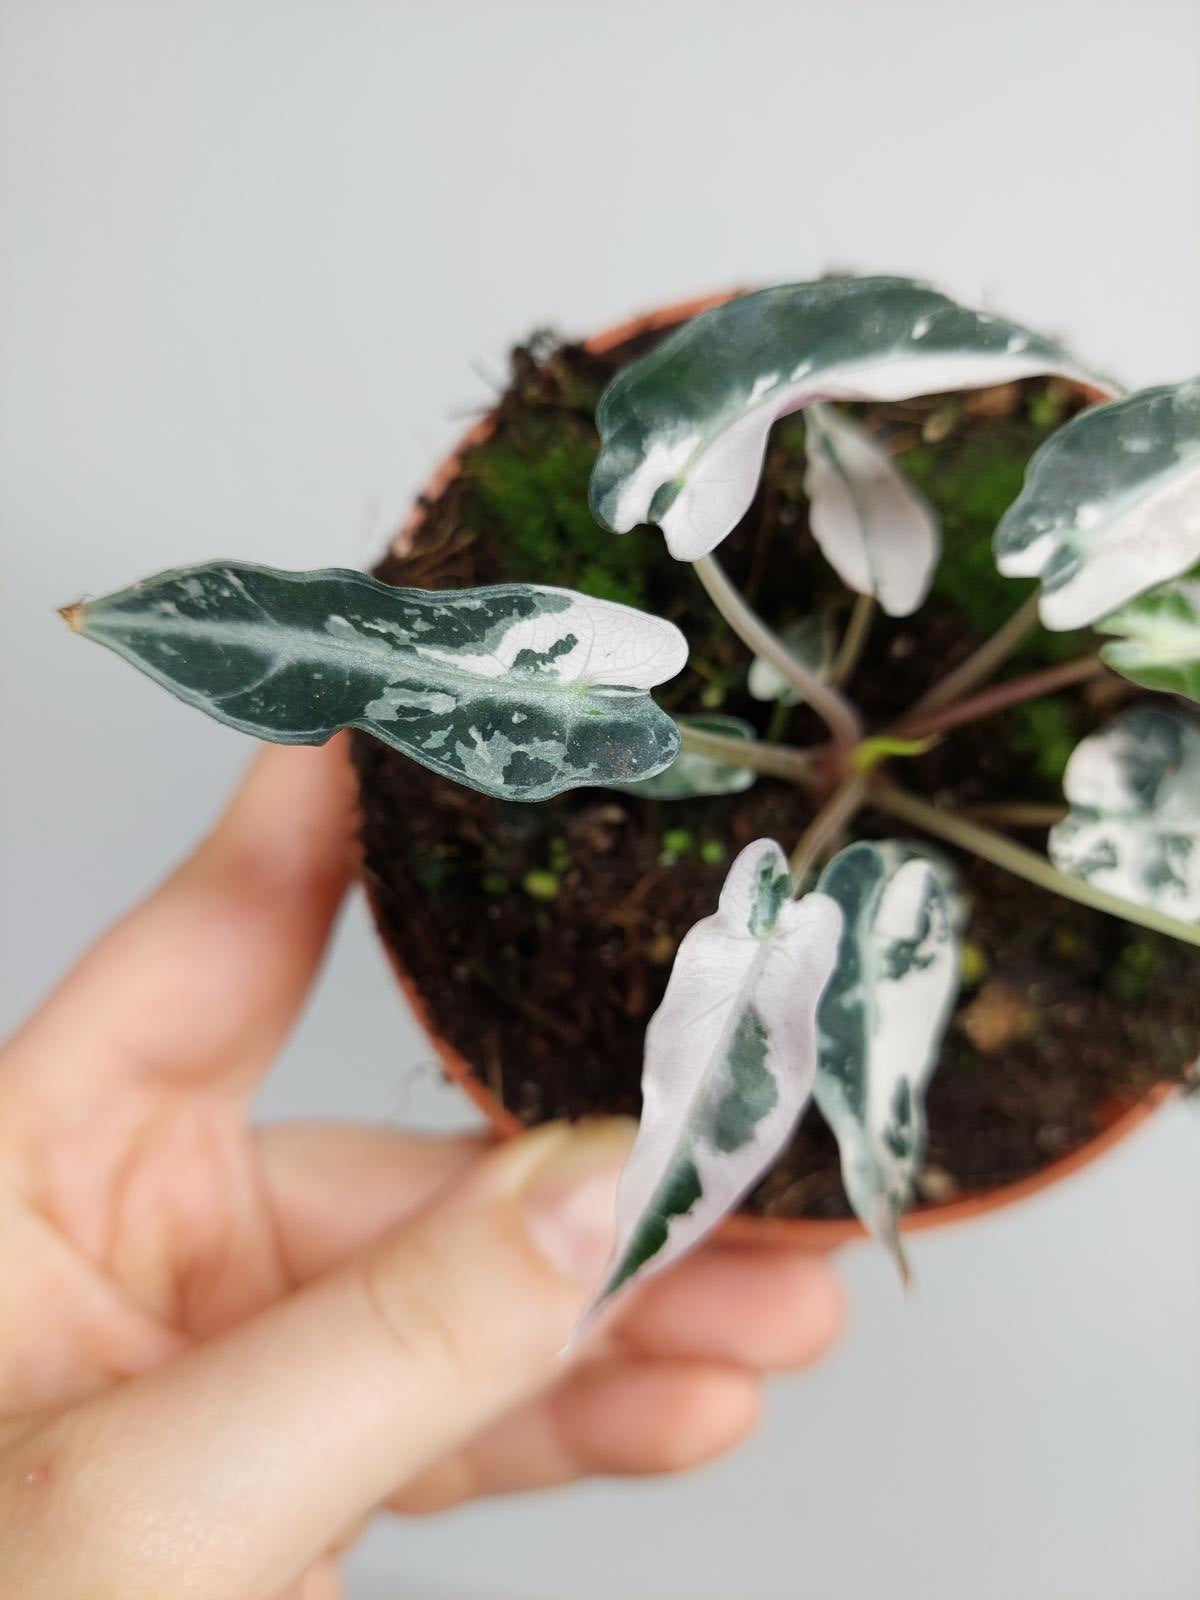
569 1197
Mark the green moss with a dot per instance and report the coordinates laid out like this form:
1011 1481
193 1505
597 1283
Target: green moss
971 482
1069 946
1131 976
1047 731
532 491
790 437
1048 406
430 871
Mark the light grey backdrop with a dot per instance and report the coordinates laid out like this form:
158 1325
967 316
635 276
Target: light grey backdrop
256 263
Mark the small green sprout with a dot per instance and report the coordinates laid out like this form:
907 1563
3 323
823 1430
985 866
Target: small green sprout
676 843
540 884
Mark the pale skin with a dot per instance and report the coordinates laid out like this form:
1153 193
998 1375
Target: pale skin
222 1348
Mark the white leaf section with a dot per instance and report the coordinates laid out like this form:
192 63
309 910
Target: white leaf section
684 430
882 1019
876 531
730 1059
588 641
1134 824
1110 507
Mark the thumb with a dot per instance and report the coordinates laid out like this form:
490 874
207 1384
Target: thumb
230 1470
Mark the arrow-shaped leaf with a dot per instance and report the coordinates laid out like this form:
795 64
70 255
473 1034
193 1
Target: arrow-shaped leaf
1160 637
684 429
1110 507
730 1058
1134 823
692 774
876 531
518 691
882 1018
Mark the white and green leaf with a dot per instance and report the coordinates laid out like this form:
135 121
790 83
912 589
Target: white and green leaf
1159 643
684 430
692 774
729 1065
882 1018
878 533
811 640
1110 507
518 691
1134 823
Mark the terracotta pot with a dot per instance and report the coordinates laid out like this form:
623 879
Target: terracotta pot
1115 1121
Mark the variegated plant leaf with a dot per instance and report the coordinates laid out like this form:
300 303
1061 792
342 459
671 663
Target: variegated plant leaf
684 429
882 1018
518 691
1110 507
811 640
730 1058
878 533
692 774
1159 644
1134 823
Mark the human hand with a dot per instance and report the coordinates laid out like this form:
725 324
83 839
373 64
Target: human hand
222 1347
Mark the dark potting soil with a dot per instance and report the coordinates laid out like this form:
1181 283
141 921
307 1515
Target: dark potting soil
541 936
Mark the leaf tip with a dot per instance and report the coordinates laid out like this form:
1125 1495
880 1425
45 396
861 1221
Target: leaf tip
902 1267
72 615
895 1248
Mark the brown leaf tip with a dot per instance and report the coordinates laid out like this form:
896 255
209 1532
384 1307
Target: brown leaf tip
73 616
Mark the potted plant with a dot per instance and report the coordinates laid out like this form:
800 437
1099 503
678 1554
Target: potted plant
812 865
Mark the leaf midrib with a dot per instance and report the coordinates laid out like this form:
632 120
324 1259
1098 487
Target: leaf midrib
512 682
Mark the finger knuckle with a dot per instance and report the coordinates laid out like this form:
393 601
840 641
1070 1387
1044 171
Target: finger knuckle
413 1307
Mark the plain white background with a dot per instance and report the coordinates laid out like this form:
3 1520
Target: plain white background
257 263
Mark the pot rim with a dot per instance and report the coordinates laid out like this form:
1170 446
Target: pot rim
1117 1119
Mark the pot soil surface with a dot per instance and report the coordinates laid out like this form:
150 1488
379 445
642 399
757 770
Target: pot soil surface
541 936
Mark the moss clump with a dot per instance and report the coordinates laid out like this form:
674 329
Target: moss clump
1131 976
1070 947
531 491
1048 731
971 483
432 872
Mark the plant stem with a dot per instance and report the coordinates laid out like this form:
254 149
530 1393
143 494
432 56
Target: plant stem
821 835
1027 864
825 700
777 725
1016 814
854 640
1002 695
774 760
980 666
